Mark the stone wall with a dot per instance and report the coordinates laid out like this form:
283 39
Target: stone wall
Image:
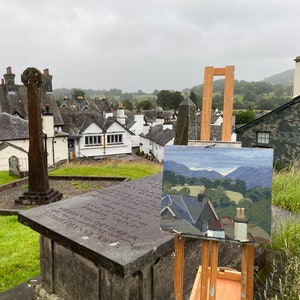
283 125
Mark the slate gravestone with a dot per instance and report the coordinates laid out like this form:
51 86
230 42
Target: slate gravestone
120 223
14 166
107 244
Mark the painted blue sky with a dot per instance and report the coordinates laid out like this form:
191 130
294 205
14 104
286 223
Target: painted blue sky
222 160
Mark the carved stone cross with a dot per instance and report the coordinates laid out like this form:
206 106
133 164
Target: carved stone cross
38 182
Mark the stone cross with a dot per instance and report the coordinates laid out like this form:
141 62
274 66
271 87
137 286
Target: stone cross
38 182
38 177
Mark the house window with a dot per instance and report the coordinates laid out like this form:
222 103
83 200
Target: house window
93 140
114 138
262 138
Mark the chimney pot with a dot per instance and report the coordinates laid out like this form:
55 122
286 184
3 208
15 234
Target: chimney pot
46 72
8 70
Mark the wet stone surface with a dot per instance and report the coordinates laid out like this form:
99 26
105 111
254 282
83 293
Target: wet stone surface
118 226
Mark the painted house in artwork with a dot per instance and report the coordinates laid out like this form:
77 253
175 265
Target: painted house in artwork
192 215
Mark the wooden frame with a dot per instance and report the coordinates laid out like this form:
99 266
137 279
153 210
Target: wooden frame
207 282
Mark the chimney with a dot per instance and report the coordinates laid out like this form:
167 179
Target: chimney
48 122
240 225
9 79
167 124
121 114
47 82
240 214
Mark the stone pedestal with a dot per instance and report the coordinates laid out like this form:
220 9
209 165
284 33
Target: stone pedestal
33 198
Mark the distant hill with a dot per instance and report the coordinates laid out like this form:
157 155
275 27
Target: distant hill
285 78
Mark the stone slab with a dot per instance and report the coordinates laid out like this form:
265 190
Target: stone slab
117 228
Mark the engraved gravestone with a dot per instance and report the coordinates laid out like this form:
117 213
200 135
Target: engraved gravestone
107 244
116 222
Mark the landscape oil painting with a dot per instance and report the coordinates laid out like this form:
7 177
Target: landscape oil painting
218 193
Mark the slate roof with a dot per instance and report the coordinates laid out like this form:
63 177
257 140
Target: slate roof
18 103
76 121
160 136
99 106
185 207
278 109
13 128
14 99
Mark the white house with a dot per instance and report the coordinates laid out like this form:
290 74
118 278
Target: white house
94 135
14 141
155 138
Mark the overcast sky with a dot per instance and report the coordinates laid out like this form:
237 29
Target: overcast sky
148 44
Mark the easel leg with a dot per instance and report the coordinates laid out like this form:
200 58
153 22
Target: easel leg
204 270
178 267
247 272
213 270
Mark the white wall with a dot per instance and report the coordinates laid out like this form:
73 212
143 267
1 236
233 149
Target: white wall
157 150
104 148
9 151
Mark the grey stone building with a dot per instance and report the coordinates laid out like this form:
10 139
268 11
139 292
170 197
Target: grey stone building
278 129
14 100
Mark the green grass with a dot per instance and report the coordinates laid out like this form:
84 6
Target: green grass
286 238
19 252
286 191
113 168
6 178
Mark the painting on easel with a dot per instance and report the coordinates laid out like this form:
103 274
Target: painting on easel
217 193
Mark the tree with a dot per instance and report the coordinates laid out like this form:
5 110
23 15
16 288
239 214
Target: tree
244 117
144 104
169 100
128 105
78 93
195 98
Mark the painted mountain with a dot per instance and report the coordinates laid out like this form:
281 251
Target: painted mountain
182 170
252 176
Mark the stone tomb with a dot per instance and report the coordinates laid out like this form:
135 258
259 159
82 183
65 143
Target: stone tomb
108 244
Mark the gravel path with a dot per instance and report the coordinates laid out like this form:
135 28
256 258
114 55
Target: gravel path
69 188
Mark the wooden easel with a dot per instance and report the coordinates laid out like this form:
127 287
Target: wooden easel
209 268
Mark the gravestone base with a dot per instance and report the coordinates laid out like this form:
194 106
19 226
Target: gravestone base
36 198
67 275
